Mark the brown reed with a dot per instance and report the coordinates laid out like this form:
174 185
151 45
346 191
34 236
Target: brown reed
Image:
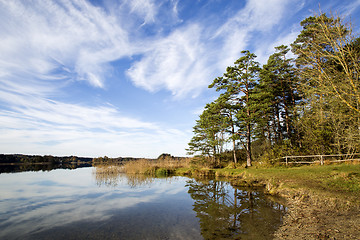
150 166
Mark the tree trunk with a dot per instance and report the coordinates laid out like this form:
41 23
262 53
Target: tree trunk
214 156
234 151
248 146
287 123
269 133
248 130
279 135
234 145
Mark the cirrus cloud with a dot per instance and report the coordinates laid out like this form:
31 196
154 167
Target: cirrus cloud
49 47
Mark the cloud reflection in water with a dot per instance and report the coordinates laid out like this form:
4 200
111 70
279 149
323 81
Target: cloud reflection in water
33 203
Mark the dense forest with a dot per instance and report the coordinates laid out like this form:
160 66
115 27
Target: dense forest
304 100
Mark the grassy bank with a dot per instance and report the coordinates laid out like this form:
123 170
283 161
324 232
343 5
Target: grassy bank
323 201
339 178
336 182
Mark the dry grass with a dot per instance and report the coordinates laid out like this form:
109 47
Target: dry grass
107 175
110 175
152 167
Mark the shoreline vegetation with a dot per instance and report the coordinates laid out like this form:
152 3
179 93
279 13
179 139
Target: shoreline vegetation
323 201
338 182
304 104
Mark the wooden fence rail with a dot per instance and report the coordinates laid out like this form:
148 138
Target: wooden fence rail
321 158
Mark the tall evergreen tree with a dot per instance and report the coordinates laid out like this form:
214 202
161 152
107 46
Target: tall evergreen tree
314 104
209 133
238 83
229 111
279 91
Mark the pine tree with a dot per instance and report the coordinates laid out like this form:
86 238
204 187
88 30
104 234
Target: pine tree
208 136
228 111
238 83
279 93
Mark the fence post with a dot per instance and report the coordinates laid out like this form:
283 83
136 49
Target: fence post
286 160
321 160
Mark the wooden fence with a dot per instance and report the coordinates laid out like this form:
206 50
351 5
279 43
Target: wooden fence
310 159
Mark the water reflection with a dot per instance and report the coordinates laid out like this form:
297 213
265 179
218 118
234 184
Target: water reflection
111 175
12 168
64 204
230 213
107 175
103 203
224 212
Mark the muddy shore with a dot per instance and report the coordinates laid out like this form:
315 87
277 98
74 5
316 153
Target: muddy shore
313 213
310 217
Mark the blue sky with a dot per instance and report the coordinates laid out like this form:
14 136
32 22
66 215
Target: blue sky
128 78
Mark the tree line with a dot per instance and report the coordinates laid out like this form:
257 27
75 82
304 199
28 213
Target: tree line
37 159
309 104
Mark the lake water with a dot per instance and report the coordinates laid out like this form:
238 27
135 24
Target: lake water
84 204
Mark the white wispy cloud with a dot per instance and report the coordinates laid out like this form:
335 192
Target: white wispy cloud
145 8
186 61
265 50
254 25
70 38
348 9
75 39
51 127
191 56
176 63
47 44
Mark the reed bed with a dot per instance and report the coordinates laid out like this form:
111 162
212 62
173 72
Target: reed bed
107 175
155 167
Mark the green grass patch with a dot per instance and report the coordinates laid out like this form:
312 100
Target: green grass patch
340 181
163 172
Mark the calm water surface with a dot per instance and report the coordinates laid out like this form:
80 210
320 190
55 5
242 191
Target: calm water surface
84 204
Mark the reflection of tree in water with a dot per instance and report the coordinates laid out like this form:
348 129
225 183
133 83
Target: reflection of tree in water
6 168
111 175
227 212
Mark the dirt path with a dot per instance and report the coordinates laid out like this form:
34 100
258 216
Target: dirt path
313 219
